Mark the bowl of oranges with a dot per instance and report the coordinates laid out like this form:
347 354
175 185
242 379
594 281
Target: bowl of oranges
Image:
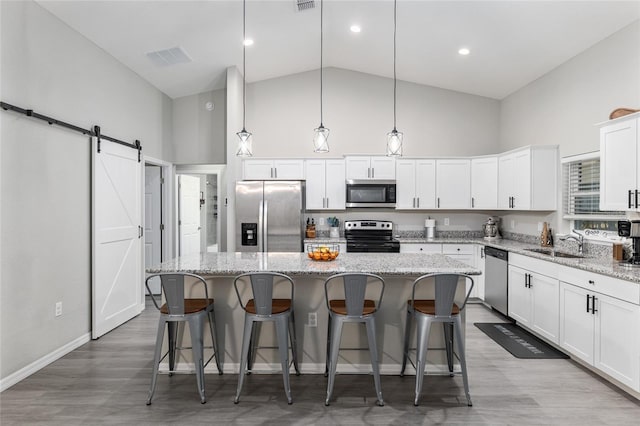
323 252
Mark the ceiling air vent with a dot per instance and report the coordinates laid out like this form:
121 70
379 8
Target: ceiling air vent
305 5
166 57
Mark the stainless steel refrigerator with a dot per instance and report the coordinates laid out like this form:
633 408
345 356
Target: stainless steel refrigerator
269 216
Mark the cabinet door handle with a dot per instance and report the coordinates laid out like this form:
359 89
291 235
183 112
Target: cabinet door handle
630 194
636 198
369 172
592 282
327 202
473 202
482 253
438 202
373 173
593 305
414 202
588 297
418 202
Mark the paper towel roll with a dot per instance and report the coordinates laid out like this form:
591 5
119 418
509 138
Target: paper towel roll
429 223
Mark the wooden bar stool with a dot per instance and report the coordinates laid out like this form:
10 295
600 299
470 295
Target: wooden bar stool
179 309
353 308
260 308
441 309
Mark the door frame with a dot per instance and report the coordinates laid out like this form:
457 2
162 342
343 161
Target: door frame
168 171
204 169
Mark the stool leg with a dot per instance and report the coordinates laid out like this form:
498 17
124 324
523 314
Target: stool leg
334 345
244 354
282 330
422 341
294 343
370 324
172 334
214 339
156 359
196 329
407 338
463 362
448 342
253 344
326 367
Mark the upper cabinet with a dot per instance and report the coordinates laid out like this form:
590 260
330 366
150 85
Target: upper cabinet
453 183
325 187
528 179
261 169
415 184
484 183
365 167
619 164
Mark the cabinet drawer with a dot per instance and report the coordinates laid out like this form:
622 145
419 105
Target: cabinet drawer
543 267
457 249
420 248
614 287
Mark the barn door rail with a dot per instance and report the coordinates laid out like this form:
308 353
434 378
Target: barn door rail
90 132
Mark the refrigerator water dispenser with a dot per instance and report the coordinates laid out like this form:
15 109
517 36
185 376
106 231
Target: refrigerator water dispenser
249 234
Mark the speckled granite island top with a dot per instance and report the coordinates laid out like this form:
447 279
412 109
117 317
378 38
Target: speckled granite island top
300 264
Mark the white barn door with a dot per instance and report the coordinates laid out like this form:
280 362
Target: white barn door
117 274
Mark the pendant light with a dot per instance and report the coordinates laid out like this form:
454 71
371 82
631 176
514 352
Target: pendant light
244 144
320 139
394 137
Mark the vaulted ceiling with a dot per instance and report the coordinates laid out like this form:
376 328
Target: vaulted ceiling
511 43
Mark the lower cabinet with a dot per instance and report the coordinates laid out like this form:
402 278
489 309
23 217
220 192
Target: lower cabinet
602 331
534 299
426 248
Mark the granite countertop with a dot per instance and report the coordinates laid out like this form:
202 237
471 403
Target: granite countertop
600 265
300 264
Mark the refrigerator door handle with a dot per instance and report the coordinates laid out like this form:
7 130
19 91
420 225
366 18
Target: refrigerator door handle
265 240
260 225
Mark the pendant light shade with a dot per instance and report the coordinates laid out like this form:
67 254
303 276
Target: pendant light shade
394 137
245 148
321 136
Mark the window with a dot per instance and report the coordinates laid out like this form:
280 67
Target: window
581 194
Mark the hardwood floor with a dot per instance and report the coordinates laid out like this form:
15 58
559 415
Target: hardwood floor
106 382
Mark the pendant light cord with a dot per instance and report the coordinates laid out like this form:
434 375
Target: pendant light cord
321 38
244 64
394 64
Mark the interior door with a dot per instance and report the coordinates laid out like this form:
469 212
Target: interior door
117 274
153 221
190 227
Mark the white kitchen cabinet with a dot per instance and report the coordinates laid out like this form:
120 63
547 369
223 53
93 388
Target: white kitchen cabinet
325 184
597 327
453 183
415 184
534 298
261 169
620 164
426 248
464 253
484 183
528 178
366 167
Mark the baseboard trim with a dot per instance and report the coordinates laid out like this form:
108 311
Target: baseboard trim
37 365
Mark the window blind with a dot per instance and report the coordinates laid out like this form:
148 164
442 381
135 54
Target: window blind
581 190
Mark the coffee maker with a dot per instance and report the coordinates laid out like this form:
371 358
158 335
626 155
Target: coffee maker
631 229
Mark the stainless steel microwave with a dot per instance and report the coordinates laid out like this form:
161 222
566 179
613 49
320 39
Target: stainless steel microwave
371 193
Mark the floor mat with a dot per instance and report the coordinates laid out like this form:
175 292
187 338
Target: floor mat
519 342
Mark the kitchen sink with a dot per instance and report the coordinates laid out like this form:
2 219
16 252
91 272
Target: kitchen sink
554 253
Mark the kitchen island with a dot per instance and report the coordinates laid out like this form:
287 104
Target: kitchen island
398 270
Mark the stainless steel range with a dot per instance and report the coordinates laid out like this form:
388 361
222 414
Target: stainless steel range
370 236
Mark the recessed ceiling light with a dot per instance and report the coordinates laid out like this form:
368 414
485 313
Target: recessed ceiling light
464 51
248 42
355 29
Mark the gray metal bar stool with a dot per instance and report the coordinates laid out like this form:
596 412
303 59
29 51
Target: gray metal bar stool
353 308
179 309
263 307
442 309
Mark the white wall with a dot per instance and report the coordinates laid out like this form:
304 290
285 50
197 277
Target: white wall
45 174
199 134
561 107
358 109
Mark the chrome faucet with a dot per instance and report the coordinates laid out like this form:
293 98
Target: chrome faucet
578 238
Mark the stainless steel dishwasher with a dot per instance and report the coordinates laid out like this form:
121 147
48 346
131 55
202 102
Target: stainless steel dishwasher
496 279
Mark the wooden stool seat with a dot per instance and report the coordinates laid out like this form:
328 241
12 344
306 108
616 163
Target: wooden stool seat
428 307
191 306
278 306
339 307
